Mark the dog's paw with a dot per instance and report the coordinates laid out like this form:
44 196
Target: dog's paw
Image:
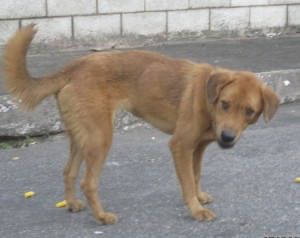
205 198
203 214
107 218
75 206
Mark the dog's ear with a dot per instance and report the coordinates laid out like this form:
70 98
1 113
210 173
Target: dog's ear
216 82
271 103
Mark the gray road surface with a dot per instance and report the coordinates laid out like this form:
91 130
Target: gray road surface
255 195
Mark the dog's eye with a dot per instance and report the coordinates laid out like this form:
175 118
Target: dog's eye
225 105
249 111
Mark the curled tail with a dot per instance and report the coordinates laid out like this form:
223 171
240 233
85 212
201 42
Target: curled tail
30 91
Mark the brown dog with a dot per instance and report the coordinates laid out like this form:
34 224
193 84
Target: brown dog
196 103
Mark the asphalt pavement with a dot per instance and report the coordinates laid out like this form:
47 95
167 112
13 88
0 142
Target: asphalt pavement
252 184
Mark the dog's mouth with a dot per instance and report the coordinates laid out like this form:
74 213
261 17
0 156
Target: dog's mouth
225 145
227 138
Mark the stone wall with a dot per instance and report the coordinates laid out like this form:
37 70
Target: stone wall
100 22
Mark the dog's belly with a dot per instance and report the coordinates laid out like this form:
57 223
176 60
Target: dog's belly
163 125
157 121
162 121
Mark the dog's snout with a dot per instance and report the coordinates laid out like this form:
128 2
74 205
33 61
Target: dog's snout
227 136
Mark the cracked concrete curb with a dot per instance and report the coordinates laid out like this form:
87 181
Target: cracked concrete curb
285 82
15 122
45 119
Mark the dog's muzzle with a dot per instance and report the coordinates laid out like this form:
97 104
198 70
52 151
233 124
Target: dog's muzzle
227 139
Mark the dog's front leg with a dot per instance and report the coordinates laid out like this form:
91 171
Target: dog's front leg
198 157
183 159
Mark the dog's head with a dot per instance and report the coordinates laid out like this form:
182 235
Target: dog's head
238 99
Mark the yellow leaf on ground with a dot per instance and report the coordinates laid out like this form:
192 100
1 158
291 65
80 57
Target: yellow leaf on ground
61 204
29 194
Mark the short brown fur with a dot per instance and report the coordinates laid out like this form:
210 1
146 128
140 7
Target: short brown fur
196 103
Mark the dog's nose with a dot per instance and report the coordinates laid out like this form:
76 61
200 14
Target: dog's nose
227 136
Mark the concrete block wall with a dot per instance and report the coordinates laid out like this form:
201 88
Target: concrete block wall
70 22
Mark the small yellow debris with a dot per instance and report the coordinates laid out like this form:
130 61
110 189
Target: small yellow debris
61 204
29 194
15 158
297 180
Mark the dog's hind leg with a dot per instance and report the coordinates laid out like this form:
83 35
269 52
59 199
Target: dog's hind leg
70 112
95 151
70 174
